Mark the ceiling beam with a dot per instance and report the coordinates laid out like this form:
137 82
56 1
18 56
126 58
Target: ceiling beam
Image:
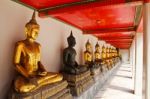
108 30
115 34
119 40
113 38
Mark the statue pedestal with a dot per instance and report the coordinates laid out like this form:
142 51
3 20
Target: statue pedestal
51 91
79 83
99 82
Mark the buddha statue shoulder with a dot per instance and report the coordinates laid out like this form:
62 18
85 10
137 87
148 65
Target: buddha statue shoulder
31 73
88 57
69 58
97 53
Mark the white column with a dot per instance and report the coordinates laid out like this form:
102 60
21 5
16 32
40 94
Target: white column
138 64
133 58
146 48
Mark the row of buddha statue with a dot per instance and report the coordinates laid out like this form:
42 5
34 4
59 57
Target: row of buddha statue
34 82
103 58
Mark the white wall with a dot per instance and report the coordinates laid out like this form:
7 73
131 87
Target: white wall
53 39
132 57
125 55
139 64
132 53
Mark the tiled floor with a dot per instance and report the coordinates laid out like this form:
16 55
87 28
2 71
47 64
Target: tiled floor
120 86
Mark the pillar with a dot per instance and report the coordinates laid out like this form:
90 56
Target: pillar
146 49
138 64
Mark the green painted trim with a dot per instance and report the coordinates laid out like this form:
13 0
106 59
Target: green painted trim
128 1
138 15
69 4
28 6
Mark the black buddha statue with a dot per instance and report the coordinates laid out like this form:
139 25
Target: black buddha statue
69 54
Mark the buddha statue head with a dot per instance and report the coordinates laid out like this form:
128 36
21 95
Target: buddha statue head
71 40
107 49
97 47
32 28
103 49
88 46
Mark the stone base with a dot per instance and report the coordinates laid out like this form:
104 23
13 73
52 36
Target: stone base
76 78
64 94
79 83
42 93
95 71
83 86
99 83
104 68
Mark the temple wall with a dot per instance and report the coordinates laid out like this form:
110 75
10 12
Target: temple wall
53 39
125 55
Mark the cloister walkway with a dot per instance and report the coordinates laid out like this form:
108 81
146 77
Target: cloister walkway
119 86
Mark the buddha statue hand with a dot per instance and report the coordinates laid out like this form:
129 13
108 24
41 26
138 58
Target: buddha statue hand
44 73
33 80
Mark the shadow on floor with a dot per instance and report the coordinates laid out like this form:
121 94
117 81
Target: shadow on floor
121 89
125 70
125 67
123 76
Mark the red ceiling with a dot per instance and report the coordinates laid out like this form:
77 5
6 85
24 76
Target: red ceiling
115 17
100 17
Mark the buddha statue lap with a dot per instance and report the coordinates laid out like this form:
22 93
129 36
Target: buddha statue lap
69 55
32 74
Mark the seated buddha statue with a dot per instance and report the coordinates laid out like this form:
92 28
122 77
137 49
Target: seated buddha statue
88 57
69 55
107 53
103 55
107 57
27 59
97 53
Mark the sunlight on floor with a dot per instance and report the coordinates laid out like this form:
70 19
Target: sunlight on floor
120 86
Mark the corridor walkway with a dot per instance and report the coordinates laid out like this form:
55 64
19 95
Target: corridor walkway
119 86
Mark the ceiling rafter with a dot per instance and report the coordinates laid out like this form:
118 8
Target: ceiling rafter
113 30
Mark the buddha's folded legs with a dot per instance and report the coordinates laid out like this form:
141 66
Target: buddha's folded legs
23 85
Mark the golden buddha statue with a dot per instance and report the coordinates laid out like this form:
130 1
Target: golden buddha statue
104 52
107 53
107 58
110 57
32 74
88 54
97 53
113 54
